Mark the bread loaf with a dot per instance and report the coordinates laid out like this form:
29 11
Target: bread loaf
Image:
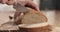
34 17
40 27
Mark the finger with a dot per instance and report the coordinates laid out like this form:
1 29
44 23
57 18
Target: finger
0 1
4 1
33 5
10 2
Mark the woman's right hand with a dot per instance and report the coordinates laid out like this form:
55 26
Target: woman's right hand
23 2
9 2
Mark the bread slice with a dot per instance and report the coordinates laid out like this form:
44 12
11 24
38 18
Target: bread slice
33 25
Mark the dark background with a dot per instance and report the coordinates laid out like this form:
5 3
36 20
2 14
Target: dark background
50 4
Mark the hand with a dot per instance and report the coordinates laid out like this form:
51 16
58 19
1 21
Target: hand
28 3
9 2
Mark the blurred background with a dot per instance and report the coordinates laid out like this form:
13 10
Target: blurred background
48 7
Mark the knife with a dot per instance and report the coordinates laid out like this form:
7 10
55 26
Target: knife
19 13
